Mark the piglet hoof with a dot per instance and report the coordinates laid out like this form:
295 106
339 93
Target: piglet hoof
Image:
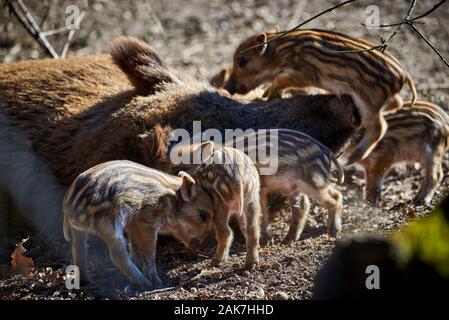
133 289
216 262
421 201
251 264
373 201
334 229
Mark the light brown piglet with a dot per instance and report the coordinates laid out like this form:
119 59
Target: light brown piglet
300 168
414 135
122 197
320 58
232 180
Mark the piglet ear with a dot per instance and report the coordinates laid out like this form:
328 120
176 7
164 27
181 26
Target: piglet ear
153 143
261 38
219 80
188 187
207 149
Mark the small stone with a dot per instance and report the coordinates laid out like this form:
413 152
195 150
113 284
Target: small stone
280 295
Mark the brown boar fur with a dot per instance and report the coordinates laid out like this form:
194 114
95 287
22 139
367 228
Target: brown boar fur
82 111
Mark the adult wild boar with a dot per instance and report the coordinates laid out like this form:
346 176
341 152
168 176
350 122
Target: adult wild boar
61 117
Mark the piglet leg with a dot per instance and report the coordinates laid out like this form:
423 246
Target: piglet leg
432 178
300 206
121 259
252 218
224 237
144 241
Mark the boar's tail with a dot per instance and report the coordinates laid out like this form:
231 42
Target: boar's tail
340 173
143 66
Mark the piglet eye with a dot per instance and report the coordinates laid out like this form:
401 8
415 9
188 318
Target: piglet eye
242 62
204 216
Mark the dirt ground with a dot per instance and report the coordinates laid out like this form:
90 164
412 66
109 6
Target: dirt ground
198 37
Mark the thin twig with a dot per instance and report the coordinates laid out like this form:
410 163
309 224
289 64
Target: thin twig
384 43
430 11
282 34
55 31
162 290
182 284
428 43
414 20
390 25
396 31
20 10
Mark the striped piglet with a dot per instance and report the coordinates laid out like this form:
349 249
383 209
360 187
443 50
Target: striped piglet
121 197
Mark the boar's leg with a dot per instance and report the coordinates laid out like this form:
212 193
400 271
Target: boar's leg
119 255
224 236
433 176
79 253
143 243
300 206
252 223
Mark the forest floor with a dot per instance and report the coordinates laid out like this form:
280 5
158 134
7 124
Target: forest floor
199 37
